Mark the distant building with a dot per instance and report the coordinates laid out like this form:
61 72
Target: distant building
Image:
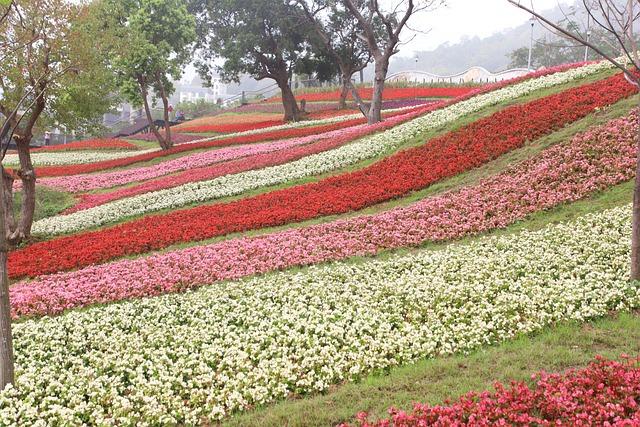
194 91
185 91
471 75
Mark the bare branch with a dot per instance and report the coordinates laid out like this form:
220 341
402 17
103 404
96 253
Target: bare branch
580 40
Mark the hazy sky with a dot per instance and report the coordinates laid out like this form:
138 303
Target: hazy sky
470 18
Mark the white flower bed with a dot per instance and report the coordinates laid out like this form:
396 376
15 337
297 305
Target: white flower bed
366 148
72 157
181 358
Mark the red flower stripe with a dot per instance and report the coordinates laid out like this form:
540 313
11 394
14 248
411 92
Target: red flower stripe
282 134
231 127
389 93
395 176
246 139
606 393
90 144
253 162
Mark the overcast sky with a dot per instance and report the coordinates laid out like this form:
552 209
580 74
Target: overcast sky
470 18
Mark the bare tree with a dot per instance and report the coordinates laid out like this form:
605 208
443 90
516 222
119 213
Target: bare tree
382 46
337 35
616 17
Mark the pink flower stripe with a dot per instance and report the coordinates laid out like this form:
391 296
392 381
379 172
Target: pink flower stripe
591 161
327 141
86 182
176 137
606 393
90 144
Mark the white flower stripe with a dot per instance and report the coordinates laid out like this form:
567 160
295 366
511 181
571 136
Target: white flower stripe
182 358
363 149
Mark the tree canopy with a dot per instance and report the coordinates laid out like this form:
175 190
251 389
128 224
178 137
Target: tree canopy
262 38
156 37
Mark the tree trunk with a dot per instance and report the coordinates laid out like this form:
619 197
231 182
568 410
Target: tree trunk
291 110
344 91
364 108
635 234
167 127
22 230
375 110
165 104
147 111
28 177
7 374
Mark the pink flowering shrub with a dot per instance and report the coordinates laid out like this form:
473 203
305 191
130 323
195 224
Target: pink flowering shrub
606 393
591 161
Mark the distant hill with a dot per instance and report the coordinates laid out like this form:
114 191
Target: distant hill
490 52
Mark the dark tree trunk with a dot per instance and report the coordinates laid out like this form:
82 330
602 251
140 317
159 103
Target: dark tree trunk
7 374
168 143
152 126
28 177
375 110
635 234
291 110
17 231
364 108
344 91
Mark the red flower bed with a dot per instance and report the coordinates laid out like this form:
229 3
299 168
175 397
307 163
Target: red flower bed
239 165
395 176
606 393
246 139
389 93
90 144
291 133
231 127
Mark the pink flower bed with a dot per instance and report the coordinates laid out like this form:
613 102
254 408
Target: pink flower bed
85 182
606 393
592 161
176 137
327 141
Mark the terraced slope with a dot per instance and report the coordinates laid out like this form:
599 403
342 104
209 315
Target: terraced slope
179 314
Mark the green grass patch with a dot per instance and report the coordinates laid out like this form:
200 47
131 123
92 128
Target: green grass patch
555 349
49 202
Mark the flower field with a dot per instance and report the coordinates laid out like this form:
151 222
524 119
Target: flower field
275 260
389 93
604 393
181 357
392 177
592 161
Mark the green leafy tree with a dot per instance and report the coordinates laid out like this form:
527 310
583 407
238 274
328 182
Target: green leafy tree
52 73
156 37
57 74
262 38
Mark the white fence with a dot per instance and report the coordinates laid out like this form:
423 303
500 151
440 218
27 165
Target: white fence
473 74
